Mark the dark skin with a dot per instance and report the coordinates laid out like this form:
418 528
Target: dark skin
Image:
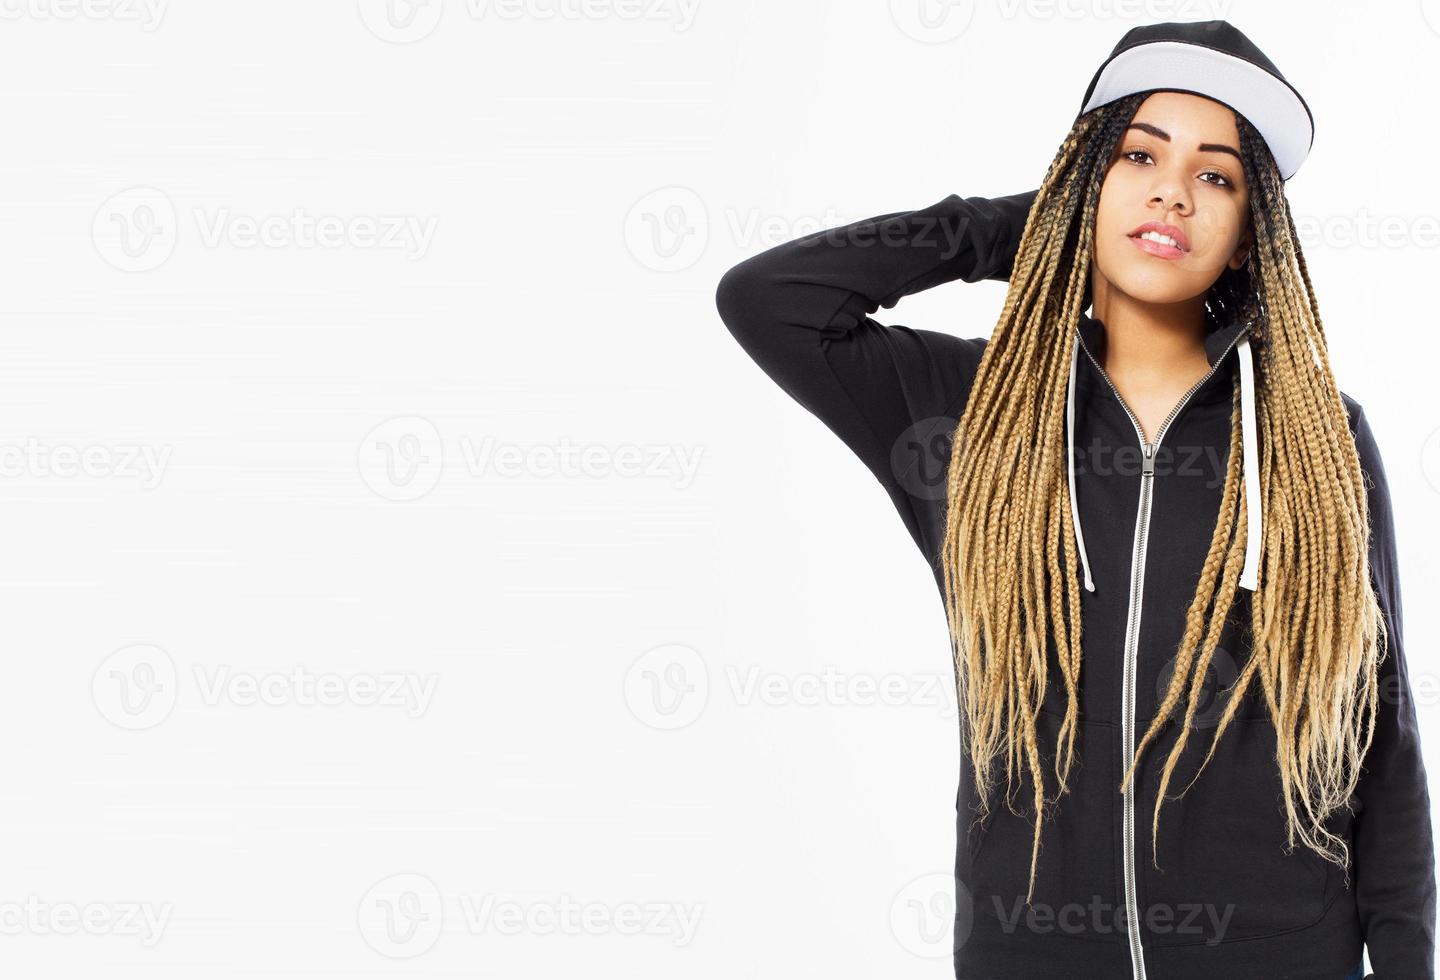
1174 165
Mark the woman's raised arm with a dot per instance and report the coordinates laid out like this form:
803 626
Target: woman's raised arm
802 310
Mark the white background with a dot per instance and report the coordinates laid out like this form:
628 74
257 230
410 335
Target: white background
355 467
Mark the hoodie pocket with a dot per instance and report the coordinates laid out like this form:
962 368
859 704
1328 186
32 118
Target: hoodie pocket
1224 874
1075 881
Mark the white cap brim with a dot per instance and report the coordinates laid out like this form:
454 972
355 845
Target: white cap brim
1271 106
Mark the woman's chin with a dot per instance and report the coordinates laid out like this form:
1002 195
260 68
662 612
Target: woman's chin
1158 287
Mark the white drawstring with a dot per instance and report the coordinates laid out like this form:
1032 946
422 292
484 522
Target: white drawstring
1250 572
1070 466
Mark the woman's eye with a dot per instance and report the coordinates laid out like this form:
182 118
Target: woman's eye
1220 179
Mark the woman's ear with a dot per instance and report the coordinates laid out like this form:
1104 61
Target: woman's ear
1242 250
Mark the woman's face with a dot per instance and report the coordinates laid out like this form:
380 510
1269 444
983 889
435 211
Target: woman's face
1177 165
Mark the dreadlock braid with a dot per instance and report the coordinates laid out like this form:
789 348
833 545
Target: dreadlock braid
1011 569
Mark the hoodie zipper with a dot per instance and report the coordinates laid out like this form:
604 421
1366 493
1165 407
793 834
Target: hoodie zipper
1132 636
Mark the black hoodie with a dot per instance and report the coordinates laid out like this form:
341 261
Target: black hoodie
1226 901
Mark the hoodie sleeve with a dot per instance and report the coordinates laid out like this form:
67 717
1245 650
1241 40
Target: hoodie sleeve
1394 873
801 310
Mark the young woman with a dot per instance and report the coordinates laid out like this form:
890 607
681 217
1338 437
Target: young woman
1162 534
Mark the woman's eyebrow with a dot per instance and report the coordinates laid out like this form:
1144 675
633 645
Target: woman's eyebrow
1160 134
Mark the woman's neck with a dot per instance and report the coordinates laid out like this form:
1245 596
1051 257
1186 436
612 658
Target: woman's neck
1153 353
1154 346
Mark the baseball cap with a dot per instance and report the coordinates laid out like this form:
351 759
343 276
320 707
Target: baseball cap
1214 59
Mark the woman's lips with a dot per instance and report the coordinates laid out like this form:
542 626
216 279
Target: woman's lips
1158 249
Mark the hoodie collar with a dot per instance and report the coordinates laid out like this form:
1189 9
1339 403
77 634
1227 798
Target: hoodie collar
1090 337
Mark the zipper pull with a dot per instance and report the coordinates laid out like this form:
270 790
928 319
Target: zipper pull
1147 461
